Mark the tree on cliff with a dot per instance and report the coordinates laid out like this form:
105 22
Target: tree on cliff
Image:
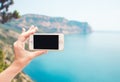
4 14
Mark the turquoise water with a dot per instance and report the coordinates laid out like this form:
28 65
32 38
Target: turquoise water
86 58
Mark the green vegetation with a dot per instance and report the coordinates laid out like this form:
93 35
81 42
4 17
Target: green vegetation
3 65
4 14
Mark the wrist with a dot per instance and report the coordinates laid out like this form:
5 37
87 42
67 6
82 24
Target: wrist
12 71
17 64
20 63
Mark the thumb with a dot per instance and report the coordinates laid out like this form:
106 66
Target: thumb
38 53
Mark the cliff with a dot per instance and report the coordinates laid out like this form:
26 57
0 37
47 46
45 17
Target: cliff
50 24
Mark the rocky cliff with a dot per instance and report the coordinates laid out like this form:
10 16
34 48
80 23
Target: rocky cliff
50 24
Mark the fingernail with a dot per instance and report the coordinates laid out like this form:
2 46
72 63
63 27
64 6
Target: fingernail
23 29
32 25
36 28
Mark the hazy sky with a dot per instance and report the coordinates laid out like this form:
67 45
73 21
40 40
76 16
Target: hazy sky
100 14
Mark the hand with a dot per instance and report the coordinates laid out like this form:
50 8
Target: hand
23 56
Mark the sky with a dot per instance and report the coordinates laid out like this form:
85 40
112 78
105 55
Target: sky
102 15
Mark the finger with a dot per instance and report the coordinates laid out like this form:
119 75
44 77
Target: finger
36 28
32 27
25 35
29 32
38 53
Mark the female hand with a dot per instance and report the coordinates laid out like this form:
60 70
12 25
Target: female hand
23 56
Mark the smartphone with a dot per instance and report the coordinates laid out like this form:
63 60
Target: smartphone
46 41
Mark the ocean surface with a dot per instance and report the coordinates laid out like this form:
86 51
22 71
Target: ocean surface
86 58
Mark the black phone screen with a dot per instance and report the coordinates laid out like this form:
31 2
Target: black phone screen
46 41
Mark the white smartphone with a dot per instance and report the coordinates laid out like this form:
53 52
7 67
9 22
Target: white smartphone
46 41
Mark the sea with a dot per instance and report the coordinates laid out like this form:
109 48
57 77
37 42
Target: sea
91 57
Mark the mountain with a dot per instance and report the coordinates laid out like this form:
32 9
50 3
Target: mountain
49 24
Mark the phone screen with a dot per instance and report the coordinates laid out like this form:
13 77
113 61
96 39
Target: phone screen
46 41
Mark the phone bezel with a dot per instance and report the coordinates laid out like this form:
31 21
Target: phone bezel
60 43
